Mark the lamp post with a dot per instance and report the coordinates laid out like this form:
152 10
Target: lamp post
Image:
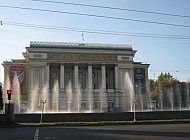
43 102
134 101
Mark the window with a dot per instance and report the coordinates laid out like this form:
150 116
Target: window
54 74
93 74
67 74
83 105
94 85
110 106
110 103
97 105
81 86
80 75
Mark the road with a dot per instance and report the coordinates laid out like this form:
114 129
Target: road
118 132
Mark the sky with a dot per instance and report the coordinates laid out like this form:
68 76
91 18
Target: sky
158 30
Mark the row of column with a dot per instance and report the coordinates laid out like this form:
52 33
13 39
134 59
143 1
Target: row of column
62 77
118 74
103 78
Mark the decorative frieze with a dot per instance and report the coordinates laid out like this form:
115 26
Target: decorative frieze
38 55
81 57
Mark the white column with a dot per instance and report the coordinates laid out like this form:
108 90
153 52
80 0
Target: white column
90 92
76 76
89 77
31 78
76 96
43 75
104 92
47 75
131 75
103 77
62 77
47 84
62 83
116 87
121 79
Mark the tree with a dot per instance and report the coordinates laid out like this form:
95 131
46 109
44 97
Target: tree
161 86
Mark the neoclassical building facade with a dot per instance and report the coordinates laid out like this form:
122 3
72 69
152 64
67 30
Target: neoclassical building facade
104 74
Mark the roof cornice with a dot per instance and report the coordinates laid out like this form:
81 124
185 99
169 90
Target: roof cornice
74 45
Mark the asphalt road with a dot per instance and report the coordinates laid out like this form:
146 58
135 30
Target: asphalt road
122 132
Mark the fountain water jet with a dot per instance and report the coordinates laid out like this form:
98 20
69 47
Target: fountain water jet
55 97
33 100
16 97
69 96
171 98
78 99
178 96
128 94
46 97
102 96
90 100
187 95
161 99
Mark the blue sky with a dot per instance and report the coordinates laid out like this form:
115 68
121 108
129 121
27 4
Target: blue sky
163 55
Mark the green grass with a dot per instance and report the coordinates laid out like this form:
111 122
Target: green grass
115 122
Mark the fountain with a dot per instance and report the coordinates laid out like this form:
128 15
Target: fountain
69 96
187 96
128 94
17 93
161 104
171 98
45 97
78 102
55 97
78 99
178 97
103 99
90 100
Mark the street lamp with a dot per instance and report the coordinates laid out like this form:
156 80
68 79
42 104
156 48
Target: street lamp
134 101
43 102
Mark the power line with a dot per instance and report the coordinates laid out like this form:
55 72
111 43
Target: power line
113 8
97 16
92 31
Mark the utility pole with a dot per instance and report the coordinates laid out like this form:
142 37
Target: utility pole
43 102
82 37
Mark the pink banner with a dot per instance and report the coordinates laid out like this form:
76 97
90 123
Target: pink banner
17 77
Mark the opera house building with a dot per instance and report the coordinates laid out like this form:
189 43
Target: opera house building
77 77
